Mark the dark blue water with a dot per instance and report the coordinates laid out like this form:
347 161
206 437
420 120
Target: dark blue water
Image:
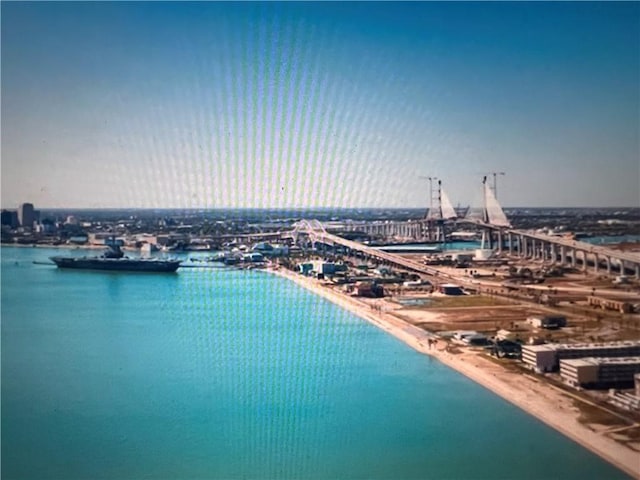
214 373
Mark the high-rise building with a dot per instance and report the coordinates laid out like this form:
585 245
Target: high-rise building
10 218
26 215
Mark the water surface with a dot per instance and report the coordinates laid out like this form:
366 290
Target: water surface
216 373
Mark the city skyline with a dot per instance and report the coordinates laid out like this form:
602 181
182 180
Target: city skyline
209 105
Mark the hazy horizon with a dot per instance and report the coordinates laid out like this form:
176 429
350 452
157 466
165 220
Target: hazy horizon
308 105
328 208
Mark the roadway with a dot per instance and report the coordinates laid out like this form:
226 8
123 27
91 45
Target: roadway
583 246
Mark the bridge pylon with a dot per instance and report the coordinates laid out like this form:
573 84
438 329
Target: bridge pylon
440 210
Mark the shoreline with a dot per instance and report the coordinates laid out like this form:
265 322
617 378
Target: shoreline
543 401
62 246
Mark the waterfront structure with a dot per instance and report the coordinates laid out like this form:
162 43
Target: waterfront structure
546 358
26 215
605 372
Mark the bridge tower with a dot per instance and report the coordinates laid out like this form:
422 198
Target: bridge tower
433 217
487 237
440 210
492 215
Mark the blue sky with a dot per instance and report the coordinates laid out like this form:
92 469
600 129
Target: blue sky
319 104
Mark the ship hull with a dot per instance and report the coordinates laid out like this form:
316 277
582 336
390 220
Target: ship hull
117 265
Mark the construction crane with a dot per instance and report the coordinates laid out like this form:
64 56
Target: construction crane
432 195
495 181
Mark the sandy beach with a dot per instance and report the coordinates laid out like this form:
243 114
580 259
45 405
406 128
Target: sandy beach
547 403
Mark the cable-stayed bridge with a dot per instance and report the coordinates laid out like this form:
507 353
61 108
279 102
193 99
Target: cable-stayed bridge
498 235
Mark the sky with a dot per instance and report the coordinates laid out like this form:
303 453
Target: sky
161 105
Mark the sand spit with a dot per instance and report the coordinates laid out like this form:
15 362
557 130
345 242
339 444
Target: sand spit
554 407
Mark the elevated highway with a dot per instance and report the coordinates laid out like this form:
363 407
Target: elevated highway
520 243
317 233
564 251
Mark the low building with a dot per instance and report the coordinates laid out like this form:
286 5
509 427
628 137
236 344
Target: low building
368 289
383 271
547 321
605 372
477 340
305 268
506 348
512 335
269 250
100 238
78 239
450 289
624 400
470 337
546 358
609 304
166 240
325 268
253 257
462 257
462 334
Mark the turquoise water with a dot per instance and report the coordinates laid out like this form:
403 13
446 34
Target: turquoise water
611 239
215 373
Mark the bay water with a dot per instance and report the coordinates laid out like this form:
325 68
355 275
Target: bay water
220 373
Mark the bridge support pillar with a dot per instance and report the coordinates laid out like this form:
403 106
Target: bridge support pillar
510 239
596 263
621 267
573 257
499 241
563 255
638 271
522 247
607 261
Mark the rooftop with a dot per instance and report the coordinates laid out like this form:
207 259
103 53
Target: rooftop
582 346
579 362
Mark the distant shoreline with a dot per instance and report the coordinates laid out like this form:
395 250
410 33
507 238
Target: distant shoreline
543 401
68 247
